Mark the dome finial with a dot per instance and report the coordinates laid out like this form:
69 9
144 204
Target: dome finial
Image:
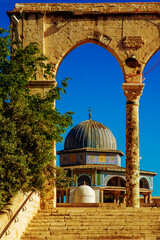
89 110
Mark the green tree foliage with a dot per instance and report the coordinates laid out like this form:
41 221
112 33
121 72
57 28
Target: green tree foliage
29 125
63 181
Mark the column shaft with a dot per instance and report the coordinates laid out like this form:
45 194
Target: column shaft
132 92
132 153
149 198
67 196
101 195
145 198
117 197
62 199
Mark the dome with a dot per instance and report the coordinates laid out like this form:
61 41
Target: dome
90 134
84 194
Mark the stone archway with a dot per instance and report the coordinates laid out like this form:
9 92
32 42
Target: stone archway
129 31
116 181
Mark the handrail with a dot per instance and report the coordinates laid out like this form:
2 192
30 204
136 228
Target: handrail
14 216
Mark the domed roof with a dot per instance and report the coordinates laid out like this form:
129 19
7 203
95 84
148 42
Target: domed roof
90 134
84 194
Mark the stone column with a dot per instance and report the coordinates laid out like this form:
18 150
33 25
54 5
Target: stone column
67 195
124 198
62 199
117 197
145 198
132 91
101 195
149 197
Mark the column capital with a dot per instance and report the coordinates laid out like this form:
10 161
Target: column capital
133 91
102 189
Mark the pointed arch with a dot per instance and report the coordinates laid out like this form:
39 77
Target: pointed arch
96 42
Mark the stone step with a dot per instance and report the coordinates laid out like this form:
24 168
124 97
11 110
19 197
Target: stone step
72 221
94 223
79 231
94 217
91 237
100 212
81 210
116 228
86 210
37 223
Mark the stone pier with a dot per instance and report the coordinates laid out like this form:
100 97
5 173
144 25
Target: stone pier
132 91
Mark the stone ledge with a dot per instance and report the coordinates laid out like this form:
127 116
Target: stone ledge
89 8
83 205
41 83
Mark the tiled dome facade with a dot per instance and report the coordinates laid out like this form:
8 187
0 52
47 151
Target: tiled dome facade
90 134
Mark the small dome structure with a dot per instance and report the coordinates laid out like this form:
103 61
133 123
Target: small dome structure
84 194
90 134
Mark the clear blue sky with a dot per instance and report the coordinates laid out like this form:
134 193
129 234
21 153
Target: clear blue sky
96 82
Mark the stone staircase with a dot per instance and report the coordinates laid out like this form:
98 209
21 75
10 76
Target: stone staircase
74 223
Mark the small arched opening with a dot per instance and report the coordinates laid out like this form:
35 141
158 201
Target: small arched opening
116 182
84 179
144 183
114 191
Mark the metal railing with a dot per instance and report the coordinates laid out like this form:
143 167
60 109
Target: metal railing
14 217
